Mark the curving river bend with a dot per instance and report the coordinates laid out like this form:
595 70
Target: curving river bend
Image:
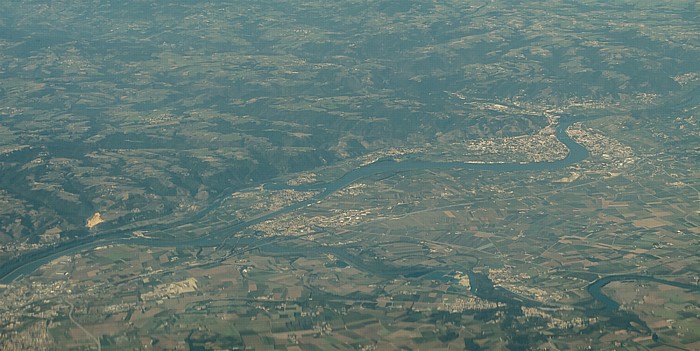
595 288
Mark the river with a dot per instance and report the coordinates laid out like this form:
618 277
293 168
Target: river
29 262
